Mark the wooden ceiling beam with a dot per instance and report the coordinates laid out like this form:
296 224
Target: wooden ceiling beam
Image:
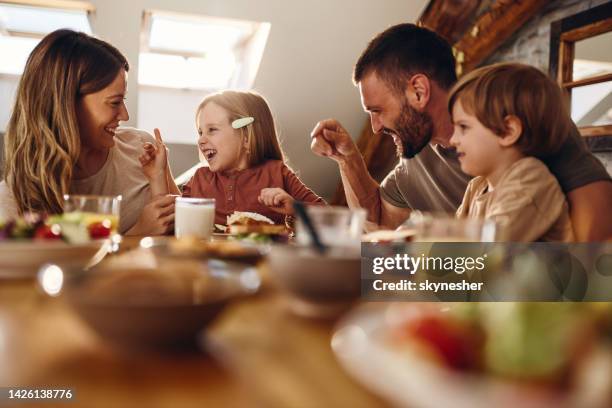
493 28
450 18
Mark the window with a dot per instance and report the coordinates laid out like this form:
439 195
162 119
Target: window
24 23
197 52
581 61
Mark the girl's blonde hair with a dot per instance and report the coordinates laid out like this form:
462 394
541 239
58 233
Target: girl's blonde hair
496 91
42 141
261 134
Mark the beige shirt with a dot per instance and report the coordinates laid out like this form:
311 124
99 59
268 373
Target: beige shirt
8 205
430 181
121 175
527 204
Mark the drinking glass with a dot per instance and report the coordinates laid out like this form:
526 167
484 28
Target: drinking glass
94 208
194 217
97 213
336 226
441 227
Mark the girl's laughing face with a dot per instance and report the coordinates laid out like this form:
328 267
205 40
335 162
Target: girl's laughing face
222 146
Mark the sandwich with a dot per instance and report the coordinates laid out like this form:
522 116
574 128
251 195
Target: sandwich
245 223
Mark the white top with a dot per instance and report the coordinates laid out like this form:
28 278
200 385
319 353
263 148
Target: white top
120 175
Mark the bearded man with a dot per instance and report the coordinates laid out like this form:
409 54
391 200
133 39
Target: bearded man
404 76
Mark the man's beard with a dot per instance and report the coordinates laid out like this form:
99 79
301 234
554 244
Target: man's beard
414 130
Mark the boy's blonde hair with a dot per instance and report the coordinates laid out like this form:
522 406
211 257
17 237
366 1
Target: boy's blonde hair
261 134
494 92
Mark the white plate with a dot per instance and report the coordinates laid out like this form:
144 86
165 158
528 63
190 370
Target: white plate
22 259
406 378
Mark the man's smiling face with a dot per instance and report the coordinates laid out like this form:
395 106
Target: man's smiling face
391 114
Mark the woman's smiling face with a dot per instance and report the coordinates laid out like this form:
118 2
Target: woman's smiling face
99 114
221 145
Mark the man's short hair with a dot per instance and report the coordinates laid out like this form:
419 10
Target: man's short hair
405 50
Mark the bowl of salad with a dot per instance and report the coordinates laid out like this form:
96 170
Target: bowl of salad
474 355
72 239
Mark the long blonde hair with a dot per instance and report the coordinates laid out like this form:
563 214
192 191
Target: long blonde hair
42 141
261 134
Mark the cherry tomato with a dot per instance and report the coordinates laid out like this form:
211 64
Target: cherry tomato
48 232
99 230
458 345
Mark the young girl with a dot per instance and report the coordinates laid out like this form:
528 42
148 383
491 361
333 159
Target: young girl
246 169
505 117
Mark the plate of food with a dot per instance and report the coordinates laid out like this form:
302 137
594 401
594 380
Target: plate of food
481 354
195 248
28 242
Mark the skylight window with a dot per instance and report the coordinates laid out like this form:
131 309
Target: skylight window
23 26
198 52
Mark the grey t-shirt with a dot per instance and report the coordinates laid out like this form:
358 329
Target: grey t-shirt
433 180
574 165
430 181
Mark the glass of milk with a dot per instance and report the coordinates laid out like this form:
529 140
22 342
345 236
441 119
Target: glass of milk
336 226
194 217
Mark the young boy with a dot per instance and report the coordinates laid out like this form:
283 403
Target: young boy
506 116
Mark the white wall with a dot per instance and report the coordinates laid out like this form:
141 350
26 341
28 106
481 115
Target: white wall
8 87
305 72
306 68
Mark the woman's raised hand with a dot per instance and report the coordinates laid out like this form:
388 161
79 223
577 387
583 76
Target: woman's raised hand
154 158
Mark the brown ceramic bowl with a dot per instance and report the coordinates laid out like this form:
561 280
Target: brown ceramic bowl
166 306
318 285
23 259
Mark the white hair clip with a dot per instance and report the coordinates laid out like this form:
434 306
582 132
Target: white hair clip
242 122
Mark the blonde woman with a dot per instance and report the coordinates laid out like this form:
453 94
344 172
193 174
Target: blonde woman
246 169
64 137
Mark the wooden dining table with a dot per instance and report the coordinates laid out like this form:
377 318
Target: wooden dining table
256 354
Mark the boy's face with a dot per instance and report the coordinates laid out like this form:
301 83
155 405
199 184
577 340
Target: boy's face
220 144
477 146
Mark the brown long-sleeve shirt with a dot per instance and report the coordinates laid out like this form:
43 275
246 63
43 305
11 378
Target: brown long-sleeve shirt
239 191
